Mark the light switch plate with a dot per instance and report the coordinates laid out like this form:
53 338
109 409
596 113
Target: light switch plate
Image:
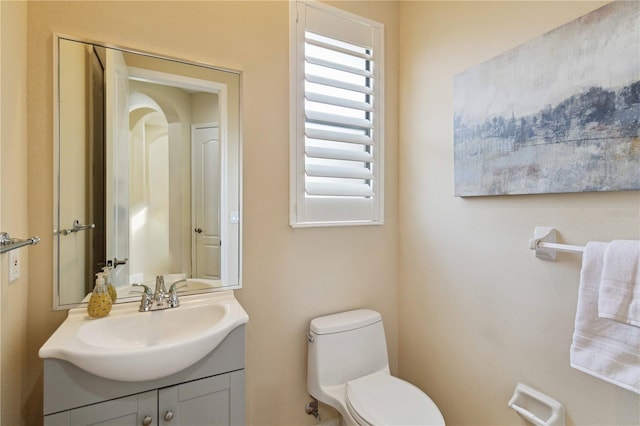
235 217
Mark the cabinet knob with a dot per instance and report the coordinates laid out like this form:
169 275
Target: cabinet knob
168 416
146 421
198 230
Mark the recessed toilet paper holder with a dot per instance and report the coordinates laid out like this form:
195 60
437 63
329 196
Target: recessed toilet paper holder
536 407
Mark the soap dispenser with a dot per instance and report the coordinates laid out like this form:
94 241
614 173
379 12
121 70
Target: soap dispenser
100 301
106 271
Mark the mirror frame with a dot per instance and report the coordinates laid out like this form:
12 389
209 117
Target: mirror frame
57 37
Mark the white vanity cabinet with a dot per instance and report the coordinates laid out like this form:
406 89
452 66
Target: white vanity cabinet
210 392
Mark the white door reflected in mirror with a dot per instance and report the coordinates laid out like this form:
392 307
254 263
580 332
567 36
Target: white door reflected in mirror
206 201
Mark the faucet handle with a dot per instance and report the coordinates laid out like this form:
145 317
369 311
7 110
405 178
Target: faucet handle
145 289
173 287
173 300
146 299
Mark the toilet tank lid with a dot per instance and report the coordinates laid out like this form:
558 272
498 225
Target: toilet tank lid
344 321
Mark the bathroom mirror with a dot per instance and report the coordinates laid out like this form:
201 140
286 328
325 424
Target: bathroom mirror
147 171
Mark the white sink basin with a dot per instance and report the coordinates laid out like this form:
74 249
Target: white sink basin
133 346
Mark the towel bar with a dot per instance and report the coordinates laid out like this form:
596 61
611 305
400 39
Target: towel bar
7 243
544 243
77 226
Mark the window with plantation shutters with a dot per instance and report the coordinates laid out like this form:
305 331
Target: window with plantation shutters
337 117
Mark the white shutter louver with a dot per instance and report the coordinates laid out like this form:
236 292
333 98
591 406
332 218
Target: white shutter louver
338 118
338 159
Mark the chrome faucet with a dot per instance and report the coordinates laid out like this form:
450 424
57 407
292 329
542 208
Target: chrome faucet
161 299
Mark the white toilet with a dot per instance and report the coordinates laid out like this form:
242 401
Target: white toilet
348 369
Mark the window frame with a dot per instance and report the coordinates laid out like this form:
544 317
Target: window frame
308 211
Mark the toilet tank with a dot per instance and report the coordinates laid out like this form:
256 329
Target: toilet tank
343 347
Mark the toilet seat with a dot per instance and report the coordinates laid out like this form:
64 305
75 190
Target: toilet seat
381 399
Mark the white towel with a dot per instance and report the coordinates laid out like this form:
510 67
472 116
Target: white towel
619 295
602 347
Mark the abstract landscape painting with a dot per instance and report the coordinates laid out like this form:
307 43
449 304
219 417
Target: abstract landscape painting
560 113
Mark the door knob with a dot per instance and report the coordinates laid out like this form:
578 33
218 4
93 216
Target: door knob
198 230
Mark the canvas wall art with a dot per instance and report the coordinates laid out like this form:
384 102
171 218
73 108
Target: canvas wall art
560 113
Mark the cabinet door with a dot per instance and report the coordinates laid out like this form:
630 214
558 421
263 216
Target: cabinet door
127 411
201 402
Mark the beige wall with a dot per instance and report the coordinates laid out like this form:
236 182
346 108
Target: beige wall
15 386
478 312
290 276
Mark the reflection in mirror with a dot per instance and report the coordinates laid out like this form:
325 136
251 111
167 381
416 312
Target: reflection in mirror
148 172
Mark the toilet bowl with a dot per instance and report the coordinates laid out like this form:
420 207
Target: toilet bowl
348 369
